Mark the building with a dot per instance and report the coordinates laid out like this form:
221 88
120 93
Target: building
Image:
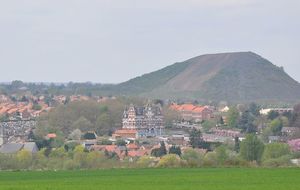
12 148
278 110
190 112
147 121
125 133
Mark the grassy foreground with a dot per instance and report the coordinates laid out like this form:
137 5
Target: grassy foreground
154 179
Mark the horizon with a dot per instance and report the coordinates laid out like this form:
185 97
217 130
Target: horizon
86 41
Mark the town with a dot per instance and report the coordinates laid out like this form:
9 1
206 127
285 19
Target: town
146 131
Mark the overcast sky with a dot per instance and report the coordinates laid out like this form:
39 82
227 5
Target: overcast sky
111 41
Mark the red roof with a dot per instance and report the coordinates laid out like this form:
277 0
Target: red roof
125 131
132 146
137 153
51 135
188 107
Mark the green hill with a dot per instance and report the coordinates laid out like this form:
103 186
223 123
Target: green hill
234 77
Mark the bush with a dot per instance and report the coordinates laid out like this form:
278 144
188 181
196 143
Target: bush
145 162
282 161
210 159
275 150
170 161
193 157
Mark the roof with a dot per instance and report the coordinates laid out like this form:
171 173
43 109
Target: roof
11 148
132 146
31 147
188 107
126 131
51 135
137 153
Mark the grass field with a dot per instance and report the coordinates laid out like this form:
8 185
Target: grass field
154 179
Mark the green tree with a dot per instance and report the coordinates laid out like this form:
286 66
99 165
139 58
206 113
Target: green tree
221 154
233 117
252 148
276 126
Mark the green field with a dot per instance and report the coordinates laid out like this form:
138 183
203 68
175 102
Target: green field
154 179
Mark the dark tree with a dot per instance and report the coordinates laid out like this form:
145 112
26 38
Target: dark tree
196 138
246 122
236 144
175 150
273 115
159 152
254 109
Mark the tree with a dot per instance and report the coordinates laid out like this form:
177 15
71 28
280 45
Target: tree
275 150
273 115
221 154
36 107
170 116
246 122
221 121
233 117
252 148
175 150
159 152
254 109
83 124
208 124
276 126
237 144
196 138
120 142
75 135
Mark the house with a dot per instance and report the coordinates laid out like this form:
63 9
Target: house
147 120
125 134
12 148
190 112
278 110
288 131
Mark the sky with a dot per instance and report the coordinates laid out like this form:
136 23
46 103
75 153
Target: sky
111 41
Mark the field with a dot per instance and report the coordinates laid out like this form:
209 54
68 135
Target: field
154 179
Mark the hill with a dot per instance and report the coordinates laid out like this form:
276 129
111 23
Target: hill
233 77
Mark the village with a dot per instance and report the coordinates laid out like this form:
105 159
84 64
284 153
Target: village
143 129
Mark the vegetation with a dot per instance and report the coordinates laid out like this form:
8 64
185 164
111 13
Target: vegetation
252 148
177 179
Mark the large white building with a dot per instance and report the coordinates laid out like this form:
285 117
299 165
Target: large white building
148 120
